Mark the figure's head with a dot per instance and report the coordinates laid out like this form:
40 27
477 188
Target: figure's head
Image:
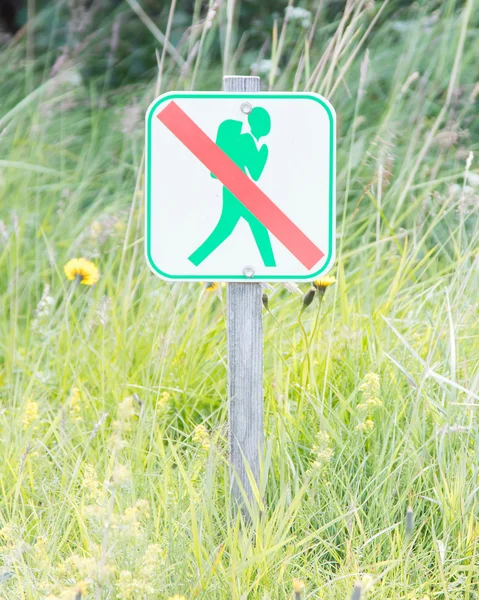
259 121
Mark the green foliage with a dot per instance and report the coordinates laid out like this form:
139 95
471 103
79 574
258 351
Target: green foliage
113 417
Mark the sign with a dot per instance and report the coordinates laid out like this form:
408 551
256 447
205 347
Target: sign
240 186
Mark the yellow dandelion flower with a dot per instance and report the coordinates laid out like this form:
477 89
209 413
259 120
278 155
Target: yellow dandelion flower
82 270
298 586
211 286
324 282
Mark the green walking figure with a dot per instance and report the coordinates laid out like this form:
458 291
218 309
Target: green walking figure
243 151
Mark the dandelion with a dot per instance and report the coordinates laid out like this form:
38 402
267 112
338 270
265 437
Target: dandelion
30 414
202 437
323 283
82 271
298 587
211 286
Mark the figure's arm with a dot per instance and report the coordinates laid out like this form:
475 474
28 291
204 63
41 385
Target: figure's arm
255 159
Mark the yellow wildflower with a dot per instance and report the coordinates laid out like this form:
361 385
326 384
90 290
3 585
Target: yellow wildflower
201 436
81 589
130 587
75 407
298 586
162 401
82 270
91 483
133 513
324 282
30 414
367 426
370 385
149 562
370 404
211 286
40 551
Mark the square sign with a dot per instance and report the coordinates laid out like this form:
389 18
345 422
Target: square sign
240 186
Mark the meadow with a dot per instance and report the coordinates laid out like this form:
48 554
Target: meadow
113 412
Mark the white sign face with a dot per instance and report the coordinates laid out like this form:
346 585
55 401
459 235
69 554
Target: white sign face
240 186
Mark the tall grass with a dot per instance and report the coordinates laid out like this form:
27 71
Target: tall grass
114 475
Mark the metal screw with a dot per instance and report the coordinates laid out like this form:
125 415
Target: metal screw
248 272
246 108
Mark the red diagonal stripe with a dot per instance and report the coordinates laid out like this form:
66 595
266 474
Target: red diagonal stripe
240 185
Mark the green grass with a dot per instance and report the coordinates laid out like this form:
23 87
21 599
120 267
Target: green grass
121 374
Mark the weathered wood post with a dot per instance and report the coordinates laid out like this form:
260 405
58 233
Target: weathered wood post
182 232
245 365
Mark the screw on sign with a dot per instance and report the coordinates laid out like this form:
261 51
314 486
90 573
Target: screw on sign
240 187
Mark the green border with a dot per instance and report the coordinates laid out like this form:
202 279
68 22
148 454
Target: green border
268 96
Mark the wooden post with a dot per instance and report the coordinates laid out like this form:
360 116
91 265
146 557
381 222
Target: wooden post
245 363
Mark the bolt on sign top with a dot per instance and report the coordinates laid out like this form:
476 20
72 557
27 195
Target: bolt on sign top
240 186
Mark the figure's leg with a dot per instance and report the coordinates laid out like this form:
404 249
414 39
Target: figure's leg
261 236
224 228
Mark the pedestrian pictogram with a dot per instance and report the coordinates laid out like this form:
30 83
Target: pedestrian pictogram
240 186
242 149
